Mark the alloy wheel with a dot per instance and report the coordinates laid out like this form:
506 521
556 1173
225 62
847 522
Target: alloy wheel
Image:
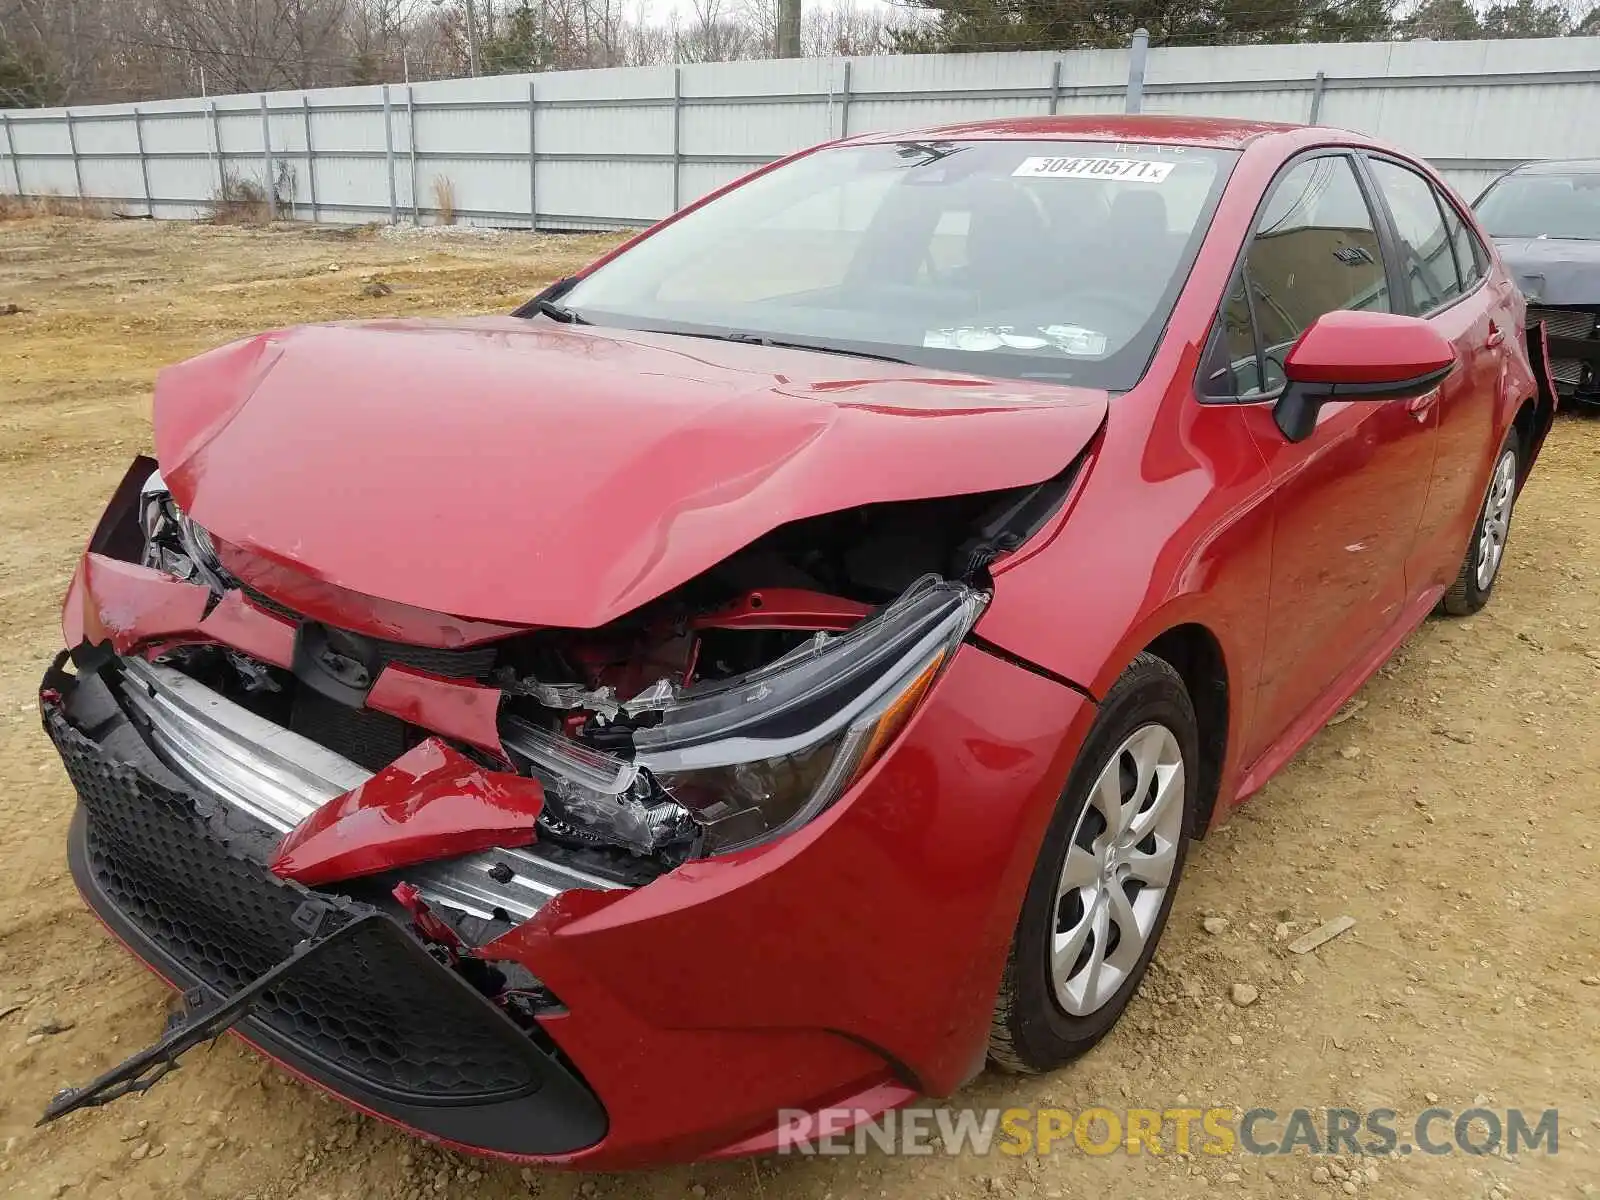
1118 868
1496 519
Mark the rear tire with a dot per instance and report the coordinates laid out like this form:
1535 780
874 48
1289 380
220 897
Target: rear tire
1106 877
1486 550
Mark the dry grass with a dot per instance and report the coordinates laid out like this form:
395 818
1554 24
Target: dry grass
51 204
444 199
239 201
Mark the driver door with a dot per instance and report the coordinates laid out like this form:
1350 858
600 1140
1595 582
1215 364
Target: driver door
1347 501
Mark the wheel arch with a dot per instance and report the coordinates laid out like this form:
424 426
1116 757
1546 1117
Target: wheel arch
1194 651
1526 425
1540 408
1530 400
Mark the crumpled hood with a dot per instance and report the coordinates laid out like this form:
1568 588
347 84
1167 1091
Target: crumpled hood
1553 271
532 473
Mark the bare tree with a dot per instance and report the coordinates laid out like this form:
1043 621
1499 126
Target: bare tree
845 29
55 46
257 45
646 43
713 33
761 17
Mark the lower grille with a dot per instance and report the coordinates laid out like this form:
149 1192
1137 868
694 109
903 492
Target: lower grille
279 778
1564 322
1572 323
364 1010
363 735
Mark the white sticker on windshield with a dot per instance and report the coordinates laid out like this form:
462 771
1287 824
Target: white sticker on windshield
1127 170
1068 339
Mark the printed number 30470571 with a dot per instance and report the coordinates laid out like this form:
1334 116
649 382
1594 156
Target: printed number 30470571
1130 170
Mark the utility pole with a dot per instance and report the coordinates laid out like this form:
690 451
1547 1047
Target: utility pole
788 28
472 38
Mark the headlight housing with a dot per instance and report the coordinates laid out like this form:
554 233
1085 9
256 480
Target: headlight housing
175 544
758 756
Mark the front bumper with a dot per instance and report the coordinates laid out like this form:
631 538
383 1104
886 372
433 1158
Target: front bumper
181 880
1573 339
853 963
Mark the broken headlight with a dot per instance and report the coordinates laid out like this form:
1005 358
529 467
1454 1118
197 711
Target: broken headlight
609 798
175 544
760 755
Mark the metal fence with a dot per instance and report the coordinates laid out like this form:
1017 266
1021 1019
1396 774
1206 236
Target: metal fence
611 148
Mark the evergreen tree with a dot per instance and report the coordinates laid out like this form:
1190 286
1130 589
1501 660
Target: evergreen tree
521 48
969 25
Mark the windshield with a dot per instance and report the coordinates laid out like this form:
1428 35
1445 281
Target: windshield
1055 261
1557 206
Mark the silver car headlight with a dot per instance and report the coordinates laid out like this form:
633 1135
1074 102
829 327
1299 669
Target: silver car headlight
760 755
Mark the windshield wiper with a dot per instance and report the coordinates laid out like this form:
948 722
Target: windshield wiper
761 339
558 312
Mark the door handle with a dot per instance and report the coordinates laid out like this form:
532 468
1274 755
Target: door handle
1496 335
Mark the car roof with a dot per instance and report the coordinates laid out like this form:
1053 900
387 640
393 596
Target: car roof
1559 166
1224 133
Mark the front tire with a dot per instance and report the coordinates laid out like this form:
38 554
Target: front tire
1106 877
1486 551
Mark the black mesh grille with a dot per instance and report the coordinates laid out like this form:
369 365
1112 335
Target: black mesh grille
363 735
264 600
474 662
363 1007
1563 322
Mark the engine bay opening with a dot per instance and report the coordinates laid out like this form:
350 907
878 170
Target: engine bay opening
724 713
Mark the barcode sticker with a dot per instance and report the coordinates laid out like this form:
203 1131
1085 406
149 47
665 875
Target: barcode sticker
1130 170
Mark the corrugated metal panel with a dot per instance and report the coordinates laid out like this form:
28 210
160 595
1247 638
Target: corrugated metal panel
165 134
613 191
42 134
1291 107
185 181
757 130
699 178
597 131
617 147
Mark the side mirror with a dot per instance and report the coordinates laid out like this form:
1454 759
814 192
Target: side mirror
1352 355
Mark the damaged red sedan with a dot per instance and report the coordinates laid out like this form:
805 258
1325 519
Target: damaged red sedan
784 666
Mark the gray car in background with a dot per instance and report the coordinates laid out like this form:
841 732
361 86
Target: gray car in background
1545 218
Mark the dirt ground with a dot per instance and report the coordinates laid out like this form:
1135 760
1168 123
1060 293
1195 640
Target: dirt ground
1452 814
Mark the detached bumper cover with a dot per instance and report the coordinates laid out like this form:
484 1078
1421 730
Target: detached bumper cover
180 880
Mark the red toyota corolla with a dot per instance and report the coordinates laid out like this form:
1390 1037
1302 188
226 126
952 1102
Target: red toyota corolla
785 665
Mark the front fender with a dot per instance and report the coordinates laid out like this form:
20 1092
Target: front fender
1172 525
